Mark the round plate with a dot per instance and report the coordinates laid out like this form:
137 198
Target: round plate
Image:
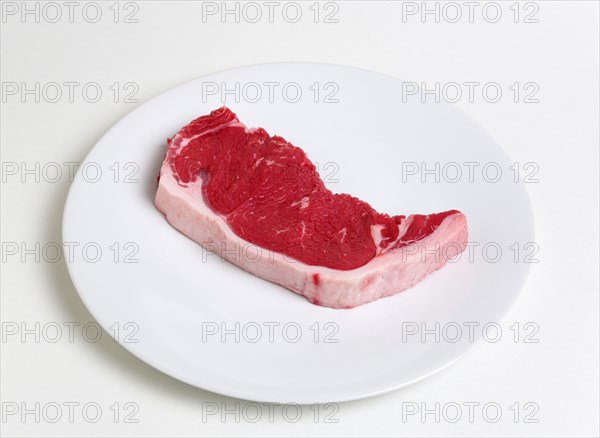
208 323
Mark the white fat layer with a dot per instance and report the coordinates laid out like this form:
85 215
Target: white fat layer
378 238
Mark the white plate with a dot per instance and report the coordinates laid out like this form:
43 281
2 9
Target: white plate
176 294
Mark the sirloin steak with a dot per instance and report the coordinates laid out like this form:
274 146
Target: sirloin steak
258 202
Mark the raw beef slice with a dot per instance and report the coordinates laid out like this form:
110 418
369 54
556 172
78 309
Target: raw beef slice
258 202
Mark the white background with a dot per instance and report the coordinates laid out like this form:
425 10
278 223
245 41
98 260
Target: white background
170 44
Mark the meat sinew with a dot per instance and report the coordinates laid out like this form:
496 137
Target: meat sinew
258 202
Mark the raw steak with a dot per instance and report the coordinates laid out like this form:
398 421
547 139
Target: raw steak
258 202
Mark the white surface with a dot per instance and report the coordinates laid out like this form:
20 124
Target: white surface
177 291
171 45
